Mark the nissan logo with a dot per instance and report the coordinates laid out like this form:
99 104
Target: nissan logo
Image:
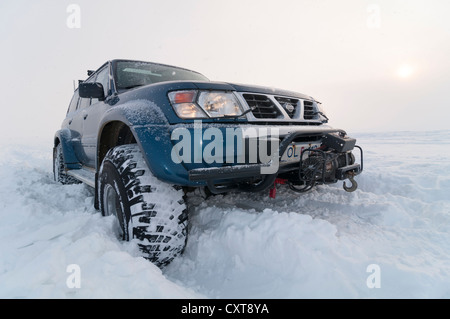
289 107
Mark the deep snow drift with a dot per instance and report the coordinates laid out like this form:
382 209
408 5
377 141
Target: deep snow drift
315 245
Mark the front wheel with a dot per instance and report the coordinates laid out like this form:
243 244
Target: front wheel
147 209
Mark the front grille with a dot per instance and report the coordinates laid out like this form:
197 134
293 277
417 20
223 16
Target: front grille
309 112
264 108
289 105
275 108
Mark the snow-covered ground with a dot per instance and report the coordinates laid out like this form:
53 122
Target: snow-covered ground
316 245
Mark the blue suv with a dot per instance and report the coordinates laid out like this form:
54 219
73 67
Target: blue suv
144 134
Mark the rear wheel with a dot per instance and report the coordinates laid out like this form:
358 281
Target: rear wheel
59 170
147 209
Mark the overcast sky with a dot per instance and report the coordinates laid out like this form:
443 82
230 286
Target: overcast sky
375 65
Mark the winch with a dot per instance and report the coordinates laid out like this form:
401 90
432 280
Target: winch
327 164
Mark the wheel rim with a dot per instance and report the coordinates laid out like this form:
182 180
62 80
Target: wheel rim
112 206
57 165
55 168
110 201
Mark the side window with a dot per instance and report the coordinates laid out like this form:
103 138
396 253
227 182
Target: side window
73 103
103 78
85 102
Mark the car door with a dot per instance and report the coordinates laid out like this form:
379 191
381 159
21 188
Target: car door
92 116
74 122
78 129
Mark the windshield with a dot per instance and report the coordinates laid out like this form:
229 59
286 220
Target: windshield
130 74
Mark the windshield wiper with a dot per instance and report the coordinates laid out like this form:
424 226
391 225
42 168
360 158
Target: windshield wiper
132 86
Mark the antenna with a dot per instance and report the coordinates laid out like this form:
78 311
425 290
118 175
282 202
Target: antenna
74 88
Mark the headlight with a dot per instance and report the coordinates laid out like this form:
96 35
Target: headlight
203 104
219 104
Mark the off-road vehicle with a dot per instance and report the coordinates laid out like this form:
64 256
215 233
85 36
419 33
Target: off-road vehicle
144 134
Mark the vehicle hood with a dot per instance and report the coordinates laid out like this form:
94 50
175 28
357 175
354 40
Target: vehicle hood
220 86
250 88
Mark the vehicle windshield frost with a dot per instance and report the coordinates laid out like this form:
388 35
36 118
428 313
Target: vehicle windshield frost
131 74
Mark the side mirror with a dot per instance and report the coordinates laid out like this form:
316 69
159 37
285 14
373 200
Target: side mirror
93 90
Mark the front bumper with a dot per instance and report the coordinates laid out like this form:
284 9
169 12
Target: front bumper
157 145
219 175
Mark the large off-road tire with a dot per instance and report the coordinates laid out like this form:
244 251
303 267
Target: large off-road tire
59 172
147 209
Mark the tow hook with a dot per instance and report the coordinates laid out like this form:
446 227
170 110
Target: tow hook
354 185
273 190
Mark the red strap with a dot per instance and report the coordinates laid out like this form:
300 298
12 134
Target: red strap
273 192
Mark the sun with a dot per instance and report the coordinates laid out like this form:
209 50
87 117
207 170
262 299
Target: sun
405 71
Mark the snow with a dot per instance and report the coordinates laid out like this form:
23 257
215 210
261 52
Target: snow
140 111
314 245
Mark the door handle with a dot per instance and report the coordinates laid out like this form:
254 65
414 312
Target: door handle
70 122
85 116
